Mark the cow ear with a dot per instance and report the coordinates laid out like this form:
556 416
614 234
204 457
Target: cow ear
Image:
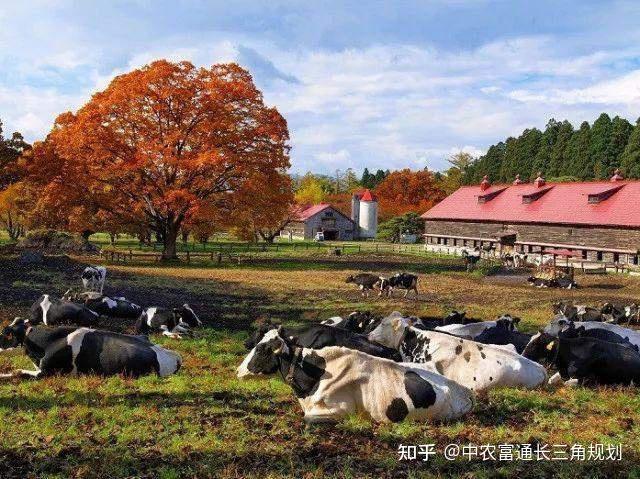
550 346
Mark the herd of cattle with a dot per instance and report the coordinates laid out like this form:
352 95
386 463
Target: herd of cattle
400 367
60 335
391 368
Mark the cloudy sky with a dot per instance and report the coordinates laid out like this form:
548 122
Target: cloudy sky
379 84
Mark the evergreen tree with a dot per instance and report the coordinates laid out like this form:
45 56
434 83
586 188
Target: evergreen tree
542 160
620 131
558 156
508 169
630 158
367 179
577 162
527 147
597 164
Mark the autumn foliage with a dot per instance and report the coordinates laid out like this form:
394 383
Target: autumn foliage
160 146
405 191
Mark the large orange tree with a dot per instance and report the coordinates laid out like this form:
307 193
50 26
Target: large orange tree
163 140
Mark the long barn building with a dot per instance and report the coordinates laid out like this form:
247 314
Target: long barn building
598 219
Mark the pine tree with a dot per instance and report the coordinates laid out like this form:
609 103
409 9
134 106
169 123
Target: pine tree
630 158
558 157
578 150
620 131
542 160
509 163
596 165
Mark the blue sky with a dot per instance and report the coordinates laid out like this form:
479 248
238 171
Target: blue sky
380 84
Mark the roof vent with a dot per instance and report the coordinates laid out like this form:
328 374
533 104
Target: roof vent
518 181
484 184
539 181
617 176
600 196
536 195
490 195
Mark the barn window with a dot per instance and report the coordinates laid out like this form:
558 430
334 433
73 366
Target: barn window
616 257
584 254
599 256
635 259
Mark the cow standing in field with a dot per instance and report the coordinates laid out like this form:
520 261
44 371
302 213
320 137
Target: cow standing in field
476 366
169 322
334 382
406 281
471 258
52 312
76 351
93 278
365 281
319 336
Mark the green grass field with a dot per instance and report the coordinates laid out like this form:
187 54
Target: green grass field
203 422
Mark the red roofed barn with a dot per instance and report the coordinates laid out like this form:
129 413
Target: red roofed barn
322 217
598 219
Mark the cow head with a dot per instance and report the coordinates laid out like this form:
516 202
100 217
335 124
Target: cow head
557 325
263 327
360 321
13 335
391 330
541 347
454 317
508 322
264 358
350 279
186 315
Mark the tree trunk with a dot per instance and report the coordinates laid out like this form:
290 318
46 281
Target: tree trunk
112 238
86 234
170 238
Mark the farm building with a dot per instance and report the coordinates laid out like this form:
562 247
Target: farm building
334 224
600 220
322 217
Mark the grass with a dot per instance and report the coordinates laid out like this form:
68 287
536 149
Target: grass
203 422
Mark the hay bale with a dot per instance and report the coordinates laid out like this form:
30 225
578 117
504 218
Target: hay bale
52 241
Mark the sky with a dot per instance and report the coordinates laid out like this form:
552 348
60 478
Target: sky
395 84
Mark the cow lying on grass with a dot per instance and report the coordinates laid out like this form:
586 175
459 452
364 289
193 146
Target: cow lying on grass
587 356
112 307
52 312
170 322
504 333
358 321
333 382
76 351
476 366
319 336
365 281
472 330
560 324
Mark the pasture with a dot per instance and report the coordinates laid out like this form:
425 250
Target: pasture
203 422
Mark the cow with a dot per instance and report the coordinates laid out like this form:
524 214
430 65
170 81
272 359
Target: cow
13 335
477 366
578 312
560 323
78 351
519 260
471 258
113 307
406 281
503 333
357 321
334 382
93 278
618 314
170 322
365 281
319 336
587 356
472 330
52 312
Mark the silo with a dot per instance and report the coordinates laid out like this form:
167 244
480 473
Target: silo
368 215
355 210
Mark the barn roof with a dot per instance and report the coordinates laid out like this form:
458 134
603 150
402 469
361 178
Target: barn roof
304 212
594 203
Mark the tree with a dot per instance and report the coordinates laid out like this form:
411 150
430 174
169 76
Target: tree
404 191
14 207
11 152
630 158
620 131
169 137
310 190
453 177
598 164
577 154
558 159
392 229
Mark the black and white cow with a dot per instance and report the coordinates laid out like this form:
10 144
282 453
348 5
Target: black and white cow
170 322
13 335
113 307
357 321
503 333
471 257
333 382
365 281
93 278
406 281
76 351
319 336
52 312
578 312
560 324
473 330
587 356
474 365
